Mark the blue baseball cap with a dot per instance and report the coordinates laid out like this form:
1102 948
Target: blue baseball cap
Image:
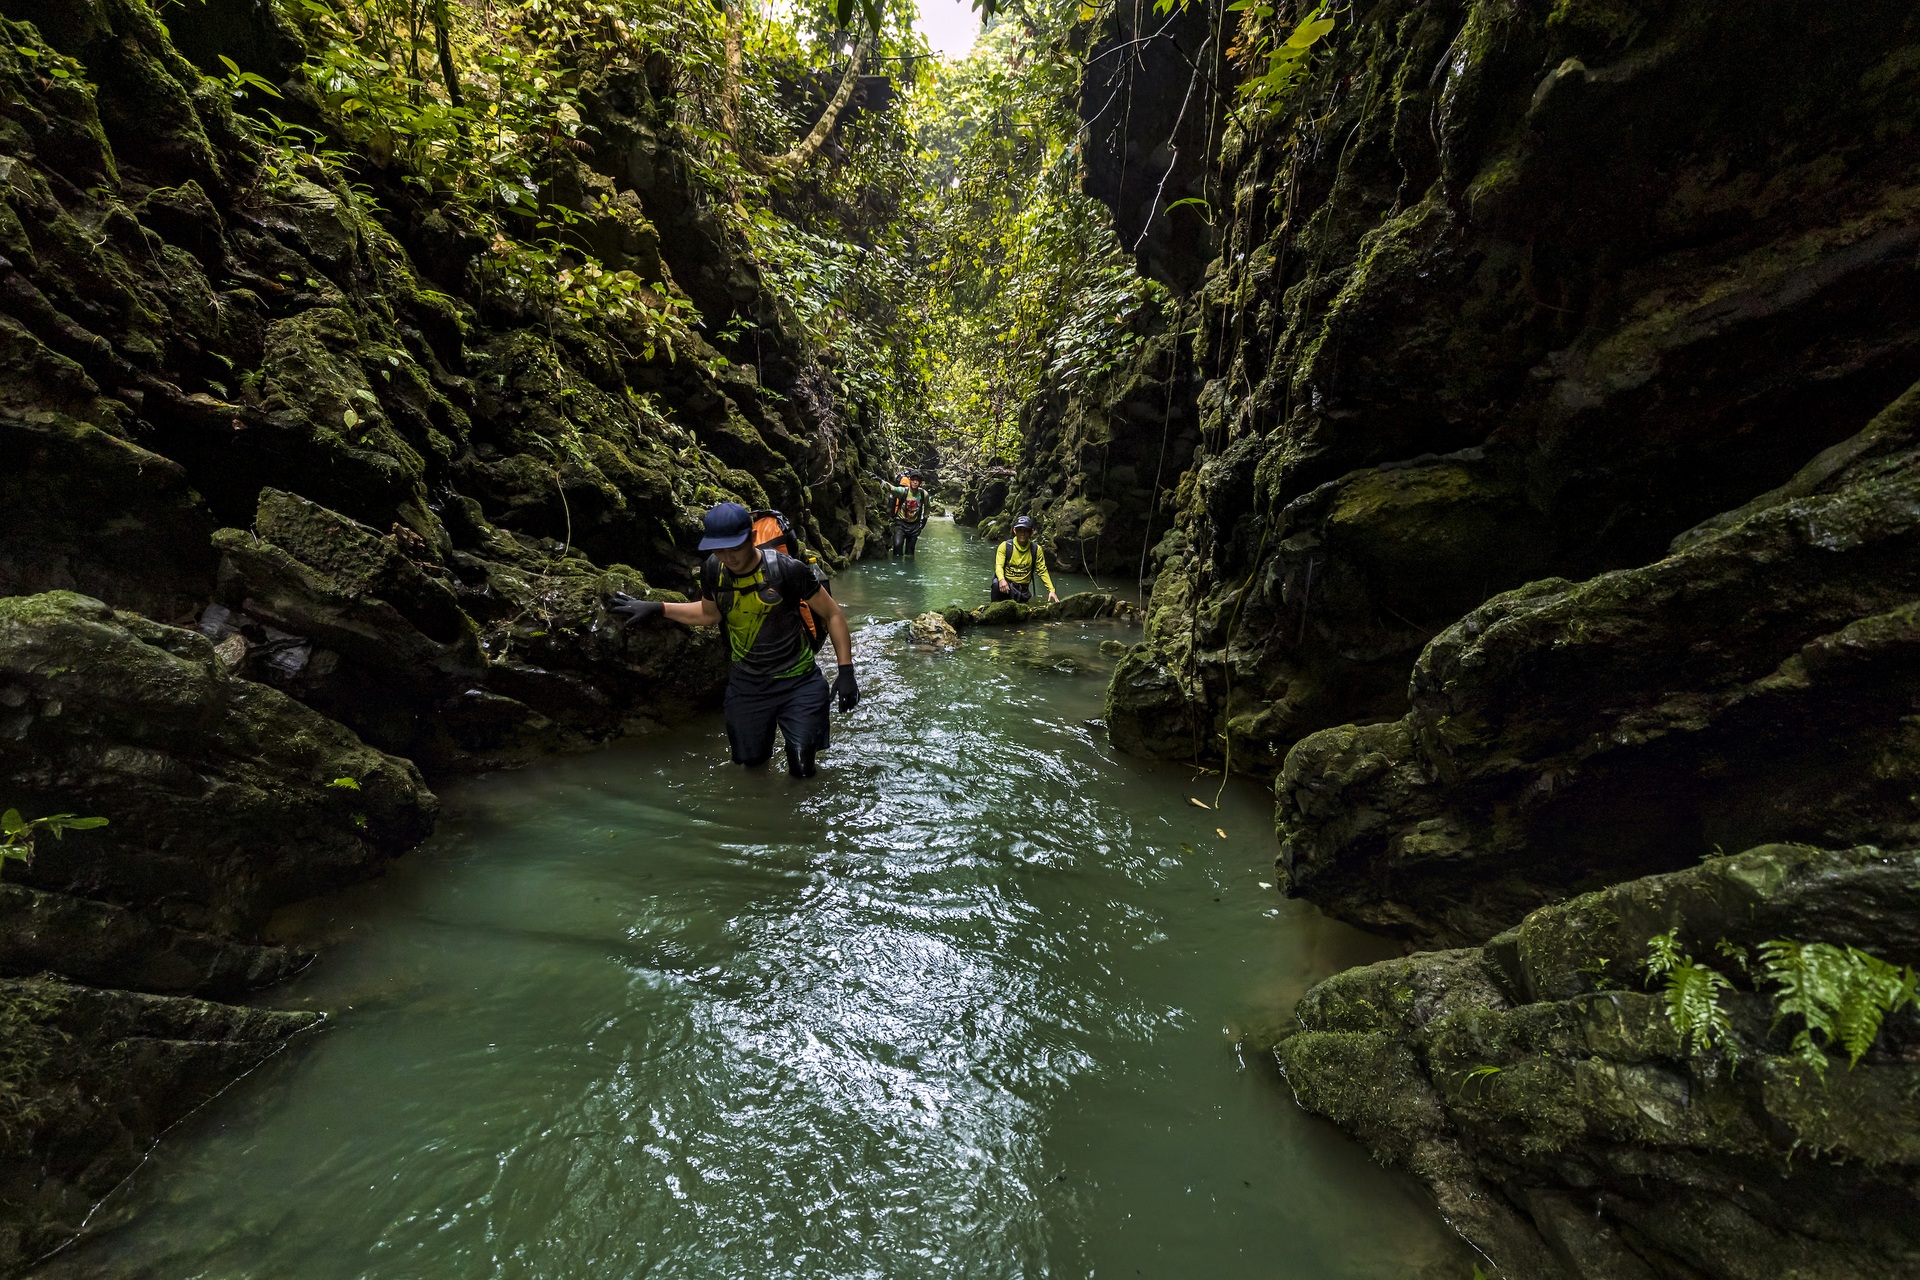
727 525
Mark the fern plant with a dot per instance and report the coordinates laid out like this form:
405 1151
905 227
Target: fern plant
1693 997
1841 995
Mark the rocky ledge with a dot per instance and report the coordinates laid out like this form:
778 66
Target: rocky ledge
1080 605
1757 683
1571 1133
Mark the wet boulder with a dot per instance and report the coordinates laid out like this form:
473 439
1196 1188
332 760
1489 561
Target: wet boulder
932 631
1082 605
226 798
108 945
90 1079
1566 1128
1753 685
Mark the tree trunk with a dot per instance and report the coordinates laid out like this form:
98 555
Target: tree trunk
448 72
805 149
730 86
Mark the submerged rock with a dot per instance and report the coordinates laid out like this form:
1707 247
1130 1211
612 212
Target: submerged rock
1547 1100
90 1079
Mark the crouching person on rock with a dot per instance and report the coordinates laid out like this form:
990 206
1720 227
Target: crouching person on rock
774 610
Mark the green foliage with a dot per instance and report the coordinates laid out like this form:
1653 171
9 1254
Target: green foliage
1840 994
939 256
1277 66
17 834
1479 1076
1693 997
485 134
1023 278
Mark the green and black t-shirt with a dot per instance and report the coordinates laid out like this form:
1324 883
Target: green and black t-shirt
761 611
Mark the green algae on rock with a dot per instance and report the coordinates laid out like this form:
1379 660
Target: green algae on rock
1079 606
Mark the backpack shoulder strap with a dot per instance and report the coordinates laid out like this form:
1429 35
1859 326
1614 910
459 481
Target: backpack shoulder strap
710 585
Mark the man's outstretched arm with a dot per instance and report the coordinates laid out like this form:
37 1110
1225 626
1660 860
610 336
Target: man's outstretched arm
694 613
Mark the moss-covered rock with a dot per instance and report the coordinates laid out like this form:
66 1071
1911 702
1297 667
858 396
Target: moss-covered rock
106 945
220 791
1753 685
89 1080
1565 1129
1080 605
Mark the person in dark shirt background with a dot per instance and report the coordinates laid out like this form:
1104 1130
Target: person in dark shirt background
775 611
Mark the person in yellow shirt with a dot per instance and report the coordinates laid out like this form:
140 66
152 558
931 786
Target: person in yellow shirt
1018 563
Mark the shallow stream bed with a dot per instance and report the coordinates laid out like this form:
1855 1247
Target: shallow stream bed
970 1003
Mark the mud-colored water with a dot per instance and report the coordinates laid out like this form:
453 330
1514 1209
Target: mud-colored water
971 1003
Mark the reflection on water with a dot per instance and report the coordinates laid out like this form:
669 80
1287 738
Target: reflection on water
968 1004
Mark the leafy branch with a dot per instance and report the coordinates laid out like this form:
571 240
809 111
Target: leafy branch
17 834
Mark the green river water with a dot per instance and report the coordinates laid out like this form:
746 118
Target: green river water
970 1003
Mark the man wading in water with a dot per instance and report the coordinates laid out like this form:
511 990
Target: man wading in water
1018 563
910 512
774 609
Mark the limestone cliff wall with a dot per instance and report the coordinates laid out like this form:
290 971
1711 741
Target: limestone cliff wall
1550 530
1518 290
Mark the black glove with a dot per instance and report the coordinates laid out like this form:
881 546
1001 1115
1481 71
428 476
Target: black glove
848 688
635 609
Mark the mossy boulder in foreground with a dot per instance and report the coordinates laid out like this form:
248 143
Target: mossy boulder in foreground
1545 1097
225 799
89 1080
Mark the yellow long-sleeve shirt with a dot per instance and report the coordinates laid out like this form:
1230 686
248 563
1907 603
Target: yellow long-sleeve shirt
1012 563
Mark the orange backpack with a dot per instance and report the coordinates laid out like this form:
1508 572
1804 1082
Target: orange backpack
772 531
